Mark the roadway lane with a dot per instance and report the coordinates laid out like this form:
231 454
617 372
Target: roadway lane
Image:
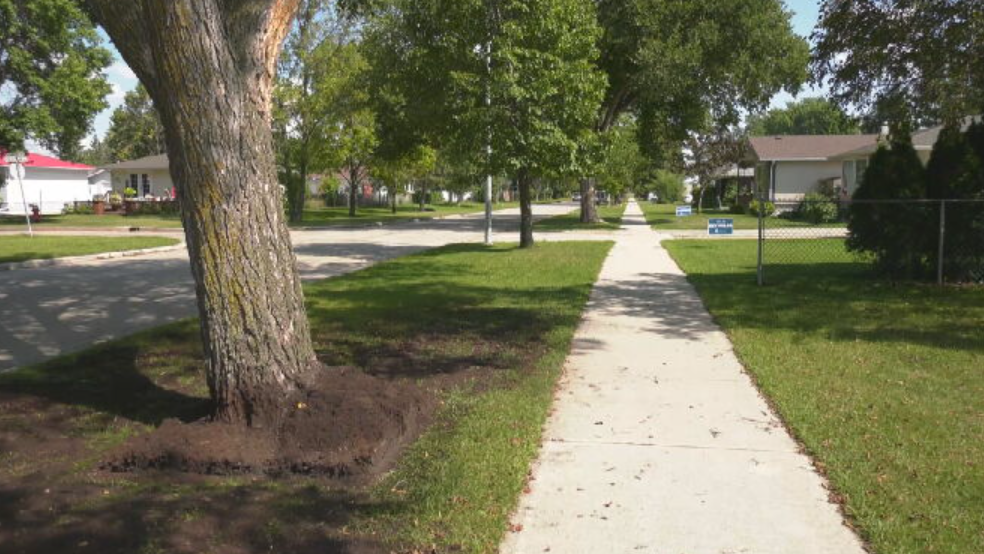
47 312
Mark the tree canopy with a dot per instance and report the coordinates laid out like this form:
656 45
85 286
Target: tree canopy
810 116
518 75
51 63
906 58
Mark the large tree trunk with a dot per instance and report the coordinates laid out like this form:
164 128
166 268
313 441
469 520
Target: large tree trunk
525 210
589 208
209 67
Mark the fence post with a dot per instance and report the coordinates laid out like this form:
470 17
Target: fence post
761 240
942 249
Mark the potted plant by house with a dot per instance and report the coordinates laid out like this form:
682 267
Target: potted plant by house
129 201
99 204
115 201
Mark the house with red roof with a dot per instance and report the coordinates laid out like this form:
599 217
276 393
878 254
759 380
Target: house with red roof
48 183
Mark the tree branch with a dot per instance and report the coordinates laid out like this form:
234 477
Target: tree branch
125 23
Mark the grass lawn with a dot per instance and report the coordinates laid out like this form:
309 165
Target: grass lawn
611 220
495 322
20 248
92 220
663 217
883 383
316 217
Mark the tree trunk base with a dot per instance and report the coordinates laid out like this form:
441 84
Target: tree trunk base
589 208
346 424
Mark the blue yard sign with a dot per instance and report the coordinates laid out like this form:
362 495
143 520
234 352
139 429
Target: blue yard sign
720 226
684 211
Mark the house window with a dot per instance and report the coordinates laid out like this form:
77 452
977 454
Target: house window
134 182
146 185
860 167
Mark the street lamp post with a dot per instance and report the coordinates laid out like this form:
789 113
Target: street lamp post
488 148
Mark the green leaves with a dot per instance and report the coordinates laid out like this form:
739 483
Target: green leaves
905 58
811 116
542 83
51 73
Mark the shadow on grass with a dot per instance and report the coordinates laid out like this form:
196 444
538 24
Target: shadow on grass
124 378
847 302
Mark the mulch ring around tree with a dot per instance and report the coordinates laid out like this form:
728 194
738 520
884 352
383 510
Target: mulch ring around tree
345 425
197 486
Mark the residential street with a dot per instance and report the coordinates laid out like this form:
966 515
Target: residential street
47 312
659 442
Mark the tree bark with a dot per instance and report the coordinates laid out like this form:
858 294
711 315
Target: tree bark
392 193
525 210
589 208
209 66
353 189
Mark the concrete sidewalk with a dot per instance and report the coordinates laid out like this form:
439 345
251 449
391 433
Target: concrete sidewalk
659 441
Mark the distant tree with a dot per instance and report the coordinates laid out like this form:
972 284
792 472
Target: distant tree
708 152
51 63
542 82
676 63
135 129
810 116
668 186
905 58
891 232
316 67
97 154
399 174
622 165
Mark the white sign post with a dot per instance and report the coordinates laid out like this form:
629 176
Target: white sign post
16 162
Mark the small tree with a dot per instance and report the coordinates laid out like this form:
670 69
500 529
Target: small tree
891 232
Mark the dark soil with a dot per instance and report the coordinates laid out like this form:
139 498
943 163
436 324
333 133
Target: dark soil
192 486
346 425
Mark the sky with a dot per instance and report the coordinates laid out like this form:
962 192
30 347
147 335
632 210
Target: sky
122 79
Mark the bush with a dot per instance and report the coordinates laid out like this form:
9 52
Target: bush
956 172
817 208
753 208
892 233
736 209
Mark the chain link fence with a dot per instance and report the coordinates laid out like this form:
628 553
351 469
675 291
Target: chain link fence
939 240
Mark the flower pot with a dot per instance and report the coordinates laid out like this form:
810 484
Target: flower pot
98 207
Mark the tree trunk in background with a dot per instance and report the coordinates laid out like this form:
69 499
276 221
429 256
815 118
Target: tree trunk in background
209 66
353 190
525 210
423 196
393 199
589 208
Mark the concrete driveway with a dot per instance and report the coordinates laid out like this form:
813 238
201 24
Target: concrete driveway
47 312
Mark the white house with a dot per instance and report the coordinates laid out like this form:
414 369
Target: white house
791 166
48 183
149 177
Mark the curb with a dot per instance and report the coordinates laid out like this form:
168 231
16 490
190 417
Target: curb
69 260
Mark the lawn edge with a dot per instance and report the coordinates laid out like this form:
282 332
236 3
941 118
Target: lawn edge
70 260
